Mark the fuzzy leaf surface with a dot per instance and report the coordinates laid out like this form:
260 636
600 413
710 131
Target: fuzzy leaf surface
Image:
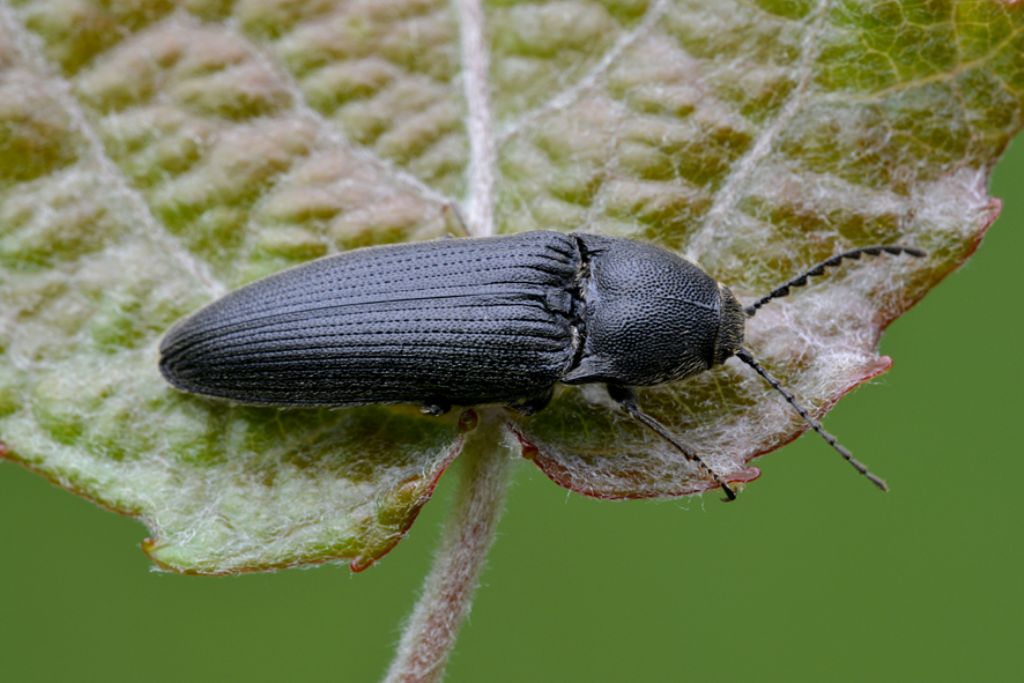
156 155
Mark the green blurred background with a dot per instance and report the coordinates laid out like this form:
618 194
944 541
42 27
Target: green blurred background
812 575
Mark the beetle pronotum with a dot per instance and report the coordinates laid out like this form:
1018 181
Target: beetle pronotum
476 321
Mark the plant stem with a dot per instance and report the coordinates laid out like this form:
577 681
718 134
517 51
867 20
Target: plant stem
448 590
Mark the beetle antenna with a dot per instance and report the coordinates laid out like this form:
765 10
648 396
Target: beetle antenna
745 356
625 397
853 254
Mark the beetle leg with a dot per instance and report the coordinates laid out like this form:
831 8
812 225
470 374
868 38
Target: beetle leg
435 409
451 210
530 406
625 397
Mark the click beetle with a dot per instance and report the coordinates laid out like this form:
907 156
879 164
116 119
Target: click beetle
493 320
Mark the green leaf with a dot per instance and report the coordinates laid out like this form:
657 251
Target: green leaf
152 159
155 155
761 138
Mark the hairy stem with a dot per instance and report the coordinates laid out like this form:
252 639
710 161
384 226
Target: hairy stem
448 590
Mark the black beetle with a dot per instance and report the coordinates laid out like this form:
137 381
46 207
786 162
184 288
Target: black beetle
474 321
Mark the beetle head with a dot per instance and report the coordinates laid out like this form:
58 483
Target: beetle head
650 316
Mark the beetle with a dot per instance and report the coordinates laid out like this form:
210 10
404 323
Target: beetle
492 320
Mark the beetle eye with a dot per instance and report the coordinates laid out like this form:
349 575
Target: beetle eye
731 323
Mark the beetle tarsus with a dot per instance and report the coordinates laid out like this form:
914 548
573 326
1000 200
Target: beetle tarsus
533 405
625 397
435 409
451 211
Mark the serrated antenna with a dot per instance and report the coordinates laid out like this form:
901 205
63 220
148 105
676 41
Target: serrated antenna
819 269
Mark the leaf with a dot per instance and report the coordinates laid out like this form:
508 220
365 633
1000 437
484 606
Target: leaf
153 160
761 138
155 155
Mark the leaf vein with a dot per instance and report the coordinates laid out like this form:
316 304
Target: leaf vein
564 99
479 124
28 48
328 132
938 77
731 189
